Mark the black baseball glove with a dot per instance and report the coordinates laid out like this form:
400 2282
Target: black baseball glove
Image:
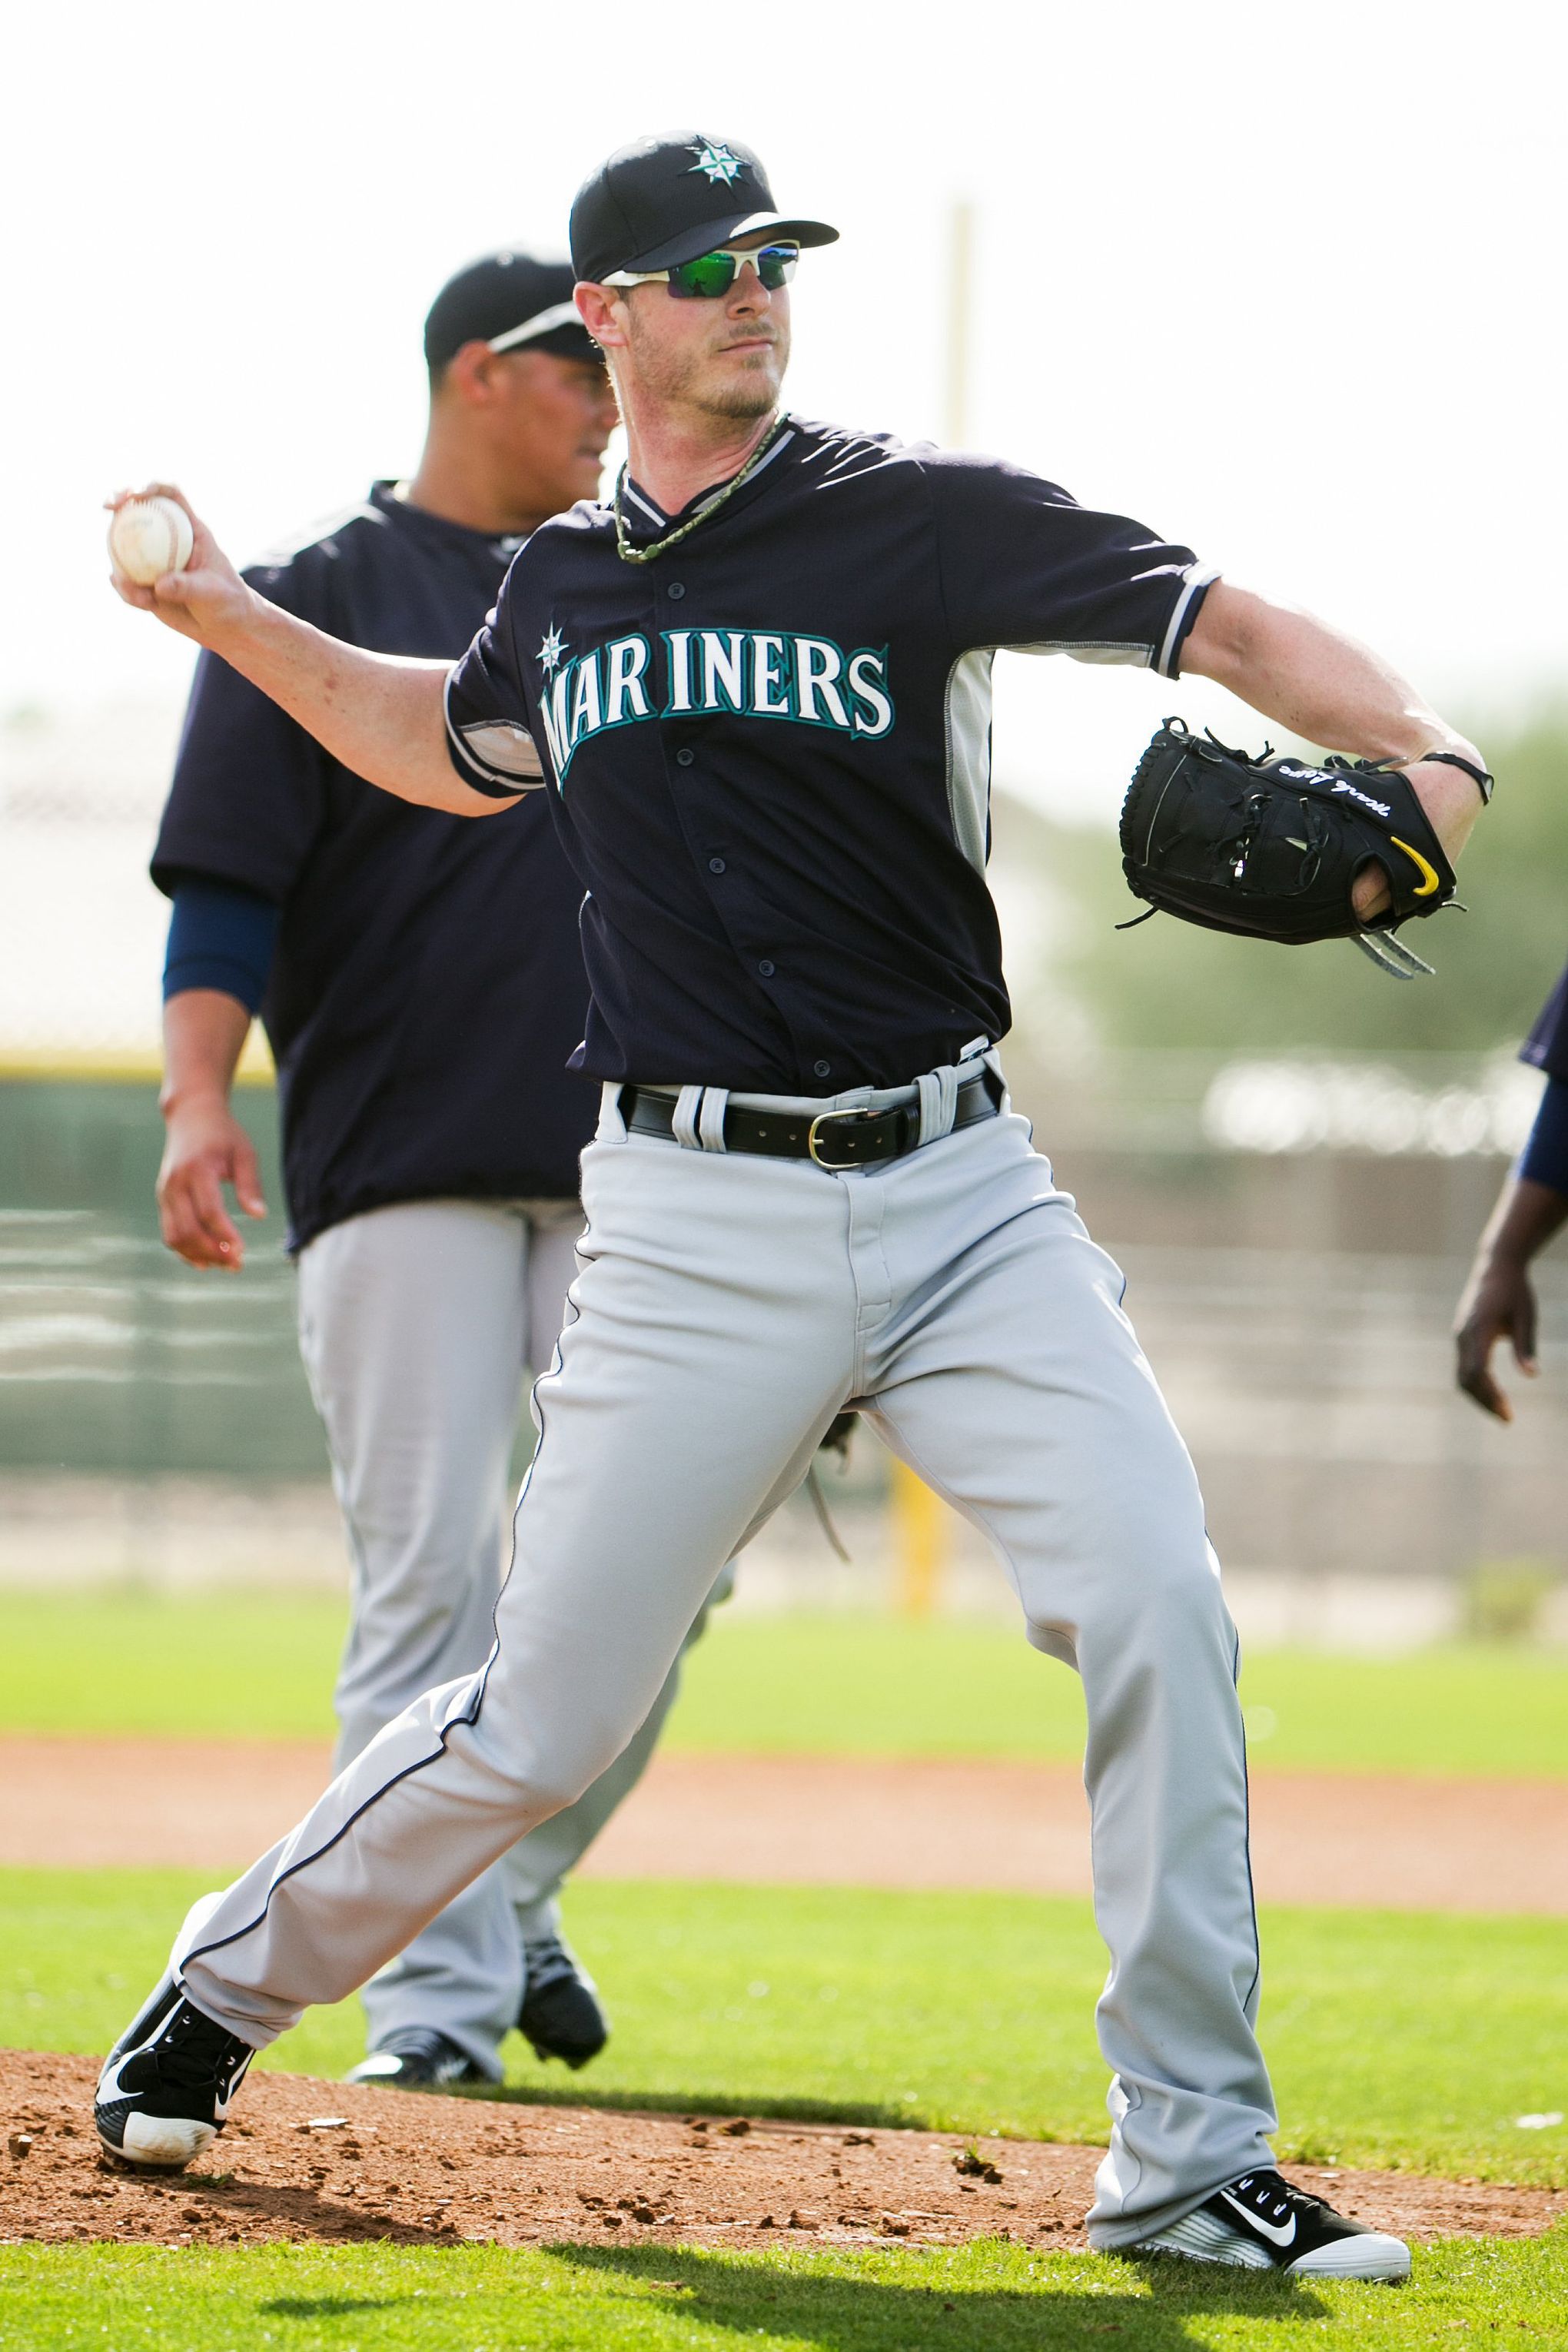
1270 847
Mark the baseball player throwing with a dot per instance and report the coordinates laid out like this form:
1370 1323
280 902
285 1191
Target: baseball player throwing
421 986
757 684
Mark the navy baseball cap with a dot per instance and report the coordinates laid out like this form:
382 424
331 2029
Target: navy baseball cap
671 199
511 302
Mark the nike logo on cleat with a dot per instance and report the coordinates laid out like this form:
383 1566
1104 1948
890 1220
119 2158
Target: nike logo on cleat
1270 2230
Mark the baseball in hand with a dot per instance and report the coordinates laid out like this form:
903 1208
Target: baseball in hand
148 537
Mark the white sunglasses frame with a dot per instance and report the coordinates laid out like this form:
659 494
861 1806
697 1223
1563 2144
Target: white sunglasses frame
730 253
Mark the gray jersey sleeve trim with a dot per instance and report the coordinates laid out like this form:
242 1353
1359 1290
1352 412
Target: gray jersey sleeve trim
497 757
1198 578
967 714
1139 652
1090 649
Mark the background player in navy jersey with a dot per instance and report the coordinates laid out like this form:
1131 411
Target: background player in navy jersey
759 685
422 988
1499 1301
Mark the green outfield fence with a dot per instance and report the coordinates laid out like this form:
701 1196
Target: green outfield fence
115 1359
1295 1233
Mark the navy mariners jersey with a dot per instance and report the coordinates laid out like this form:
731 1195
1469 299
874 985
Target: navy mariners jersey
428 986
1547 1044
768 749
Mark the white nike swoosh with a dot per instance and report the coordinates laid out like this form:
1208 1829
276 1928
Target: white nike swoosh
1270 2229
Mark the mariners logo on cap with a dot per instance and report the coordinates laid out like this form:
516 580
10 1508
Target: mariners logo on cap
717 162
551 653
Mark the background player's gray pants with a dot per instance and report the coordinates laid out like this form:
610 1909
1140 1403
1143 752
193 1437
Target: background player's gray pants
418 1324
728 1306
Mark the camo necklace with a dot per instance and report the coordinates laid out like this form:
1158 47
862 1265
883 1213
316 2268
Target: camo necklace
629 553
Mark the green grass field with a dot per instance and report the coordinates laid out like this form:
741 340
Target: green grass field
813 1685
986 2297
1396 2039
1403 2039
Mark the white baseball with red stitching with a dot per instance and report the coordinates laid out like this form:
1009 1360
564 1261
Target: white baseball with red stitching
148 537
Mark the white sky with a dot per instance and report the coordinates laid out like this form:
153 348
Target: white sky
1286 282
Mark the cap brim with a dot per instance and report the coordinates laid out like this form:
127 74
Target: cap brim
546 329
710 235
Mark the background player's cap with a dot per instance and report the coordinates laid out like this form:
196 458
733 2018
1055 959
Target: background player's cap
666 200
511 302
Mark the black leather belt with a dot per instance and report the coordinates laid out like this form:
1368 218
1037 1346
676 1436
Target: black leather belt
833 1138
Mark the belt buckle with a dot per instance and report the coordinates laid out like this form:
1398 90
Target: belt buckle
833 1166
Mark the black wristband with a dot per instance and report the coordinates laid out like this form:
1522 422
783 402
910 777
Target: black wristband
1483 782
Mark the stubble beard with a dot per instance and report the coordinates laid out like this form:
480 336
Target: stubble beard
691 379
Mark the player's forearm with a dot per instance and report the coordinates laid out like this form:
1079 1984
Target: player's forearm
204 1032
379 714
1325 687
1527 1215
1333 692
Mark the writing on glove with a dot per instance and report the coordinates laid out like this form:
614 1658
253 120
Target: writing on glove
1271 846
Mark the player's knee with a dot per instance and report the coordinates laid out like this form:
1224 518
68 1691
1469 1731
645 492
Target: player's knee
574 1762
1174 1602
1152 1572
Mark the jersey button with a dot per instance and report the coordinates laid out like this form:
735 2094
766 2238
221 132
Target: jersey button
822 1069
676 590
765 968
684 759
715 866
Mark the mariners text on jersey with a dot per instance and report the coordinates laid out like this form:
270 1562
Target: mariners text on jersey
755 671
770 748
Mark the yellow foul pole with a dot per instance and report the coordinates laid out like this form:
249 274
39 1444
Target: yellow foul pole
921 1526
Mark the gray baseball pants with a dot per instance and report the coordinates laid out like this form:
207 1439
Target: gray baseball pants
418 1324
726 1306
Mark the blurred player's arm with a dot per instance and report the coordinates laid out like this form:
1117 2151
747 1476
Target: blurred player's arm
1337 694
1499 1300
221 940
381 716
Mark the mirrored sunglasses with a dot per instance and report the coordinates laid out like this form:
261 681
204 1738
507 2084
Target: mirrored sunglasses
713 274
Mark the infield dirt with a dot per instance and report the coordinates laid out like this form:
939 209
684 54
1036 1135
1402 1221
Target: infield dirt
1387 1842
328 2163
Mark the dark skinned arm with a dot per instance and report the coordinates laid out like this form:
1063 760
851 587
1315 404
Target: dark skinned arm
1499 1300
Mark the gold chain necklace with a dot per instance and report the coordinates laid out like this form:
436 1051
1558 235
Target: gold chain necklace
628 553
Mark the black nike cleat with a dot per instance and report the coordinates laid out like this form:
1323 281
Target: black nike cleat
1260 2223
164 2095
419 2058
561 2014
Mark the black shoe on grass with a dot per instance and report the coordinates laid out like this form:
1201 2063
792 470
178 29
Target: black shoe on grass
561 2014
1260 2222
419 2058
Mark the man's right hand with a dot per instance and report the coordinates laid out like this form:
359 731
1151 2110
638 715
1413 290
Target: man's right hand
207 1147
1498 1304
1499 1301
382 715
208 599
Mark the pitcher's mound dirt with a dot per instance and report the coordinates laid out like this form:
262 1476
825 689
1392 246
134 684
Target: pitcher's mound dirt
321 2161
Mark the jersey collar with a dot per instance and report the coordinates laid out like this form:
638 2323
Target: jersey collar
500 548
645 518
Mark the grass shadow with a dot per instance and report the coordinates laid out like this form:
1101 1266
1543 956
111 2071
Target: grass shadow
865 2112
835 2312
328 2306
